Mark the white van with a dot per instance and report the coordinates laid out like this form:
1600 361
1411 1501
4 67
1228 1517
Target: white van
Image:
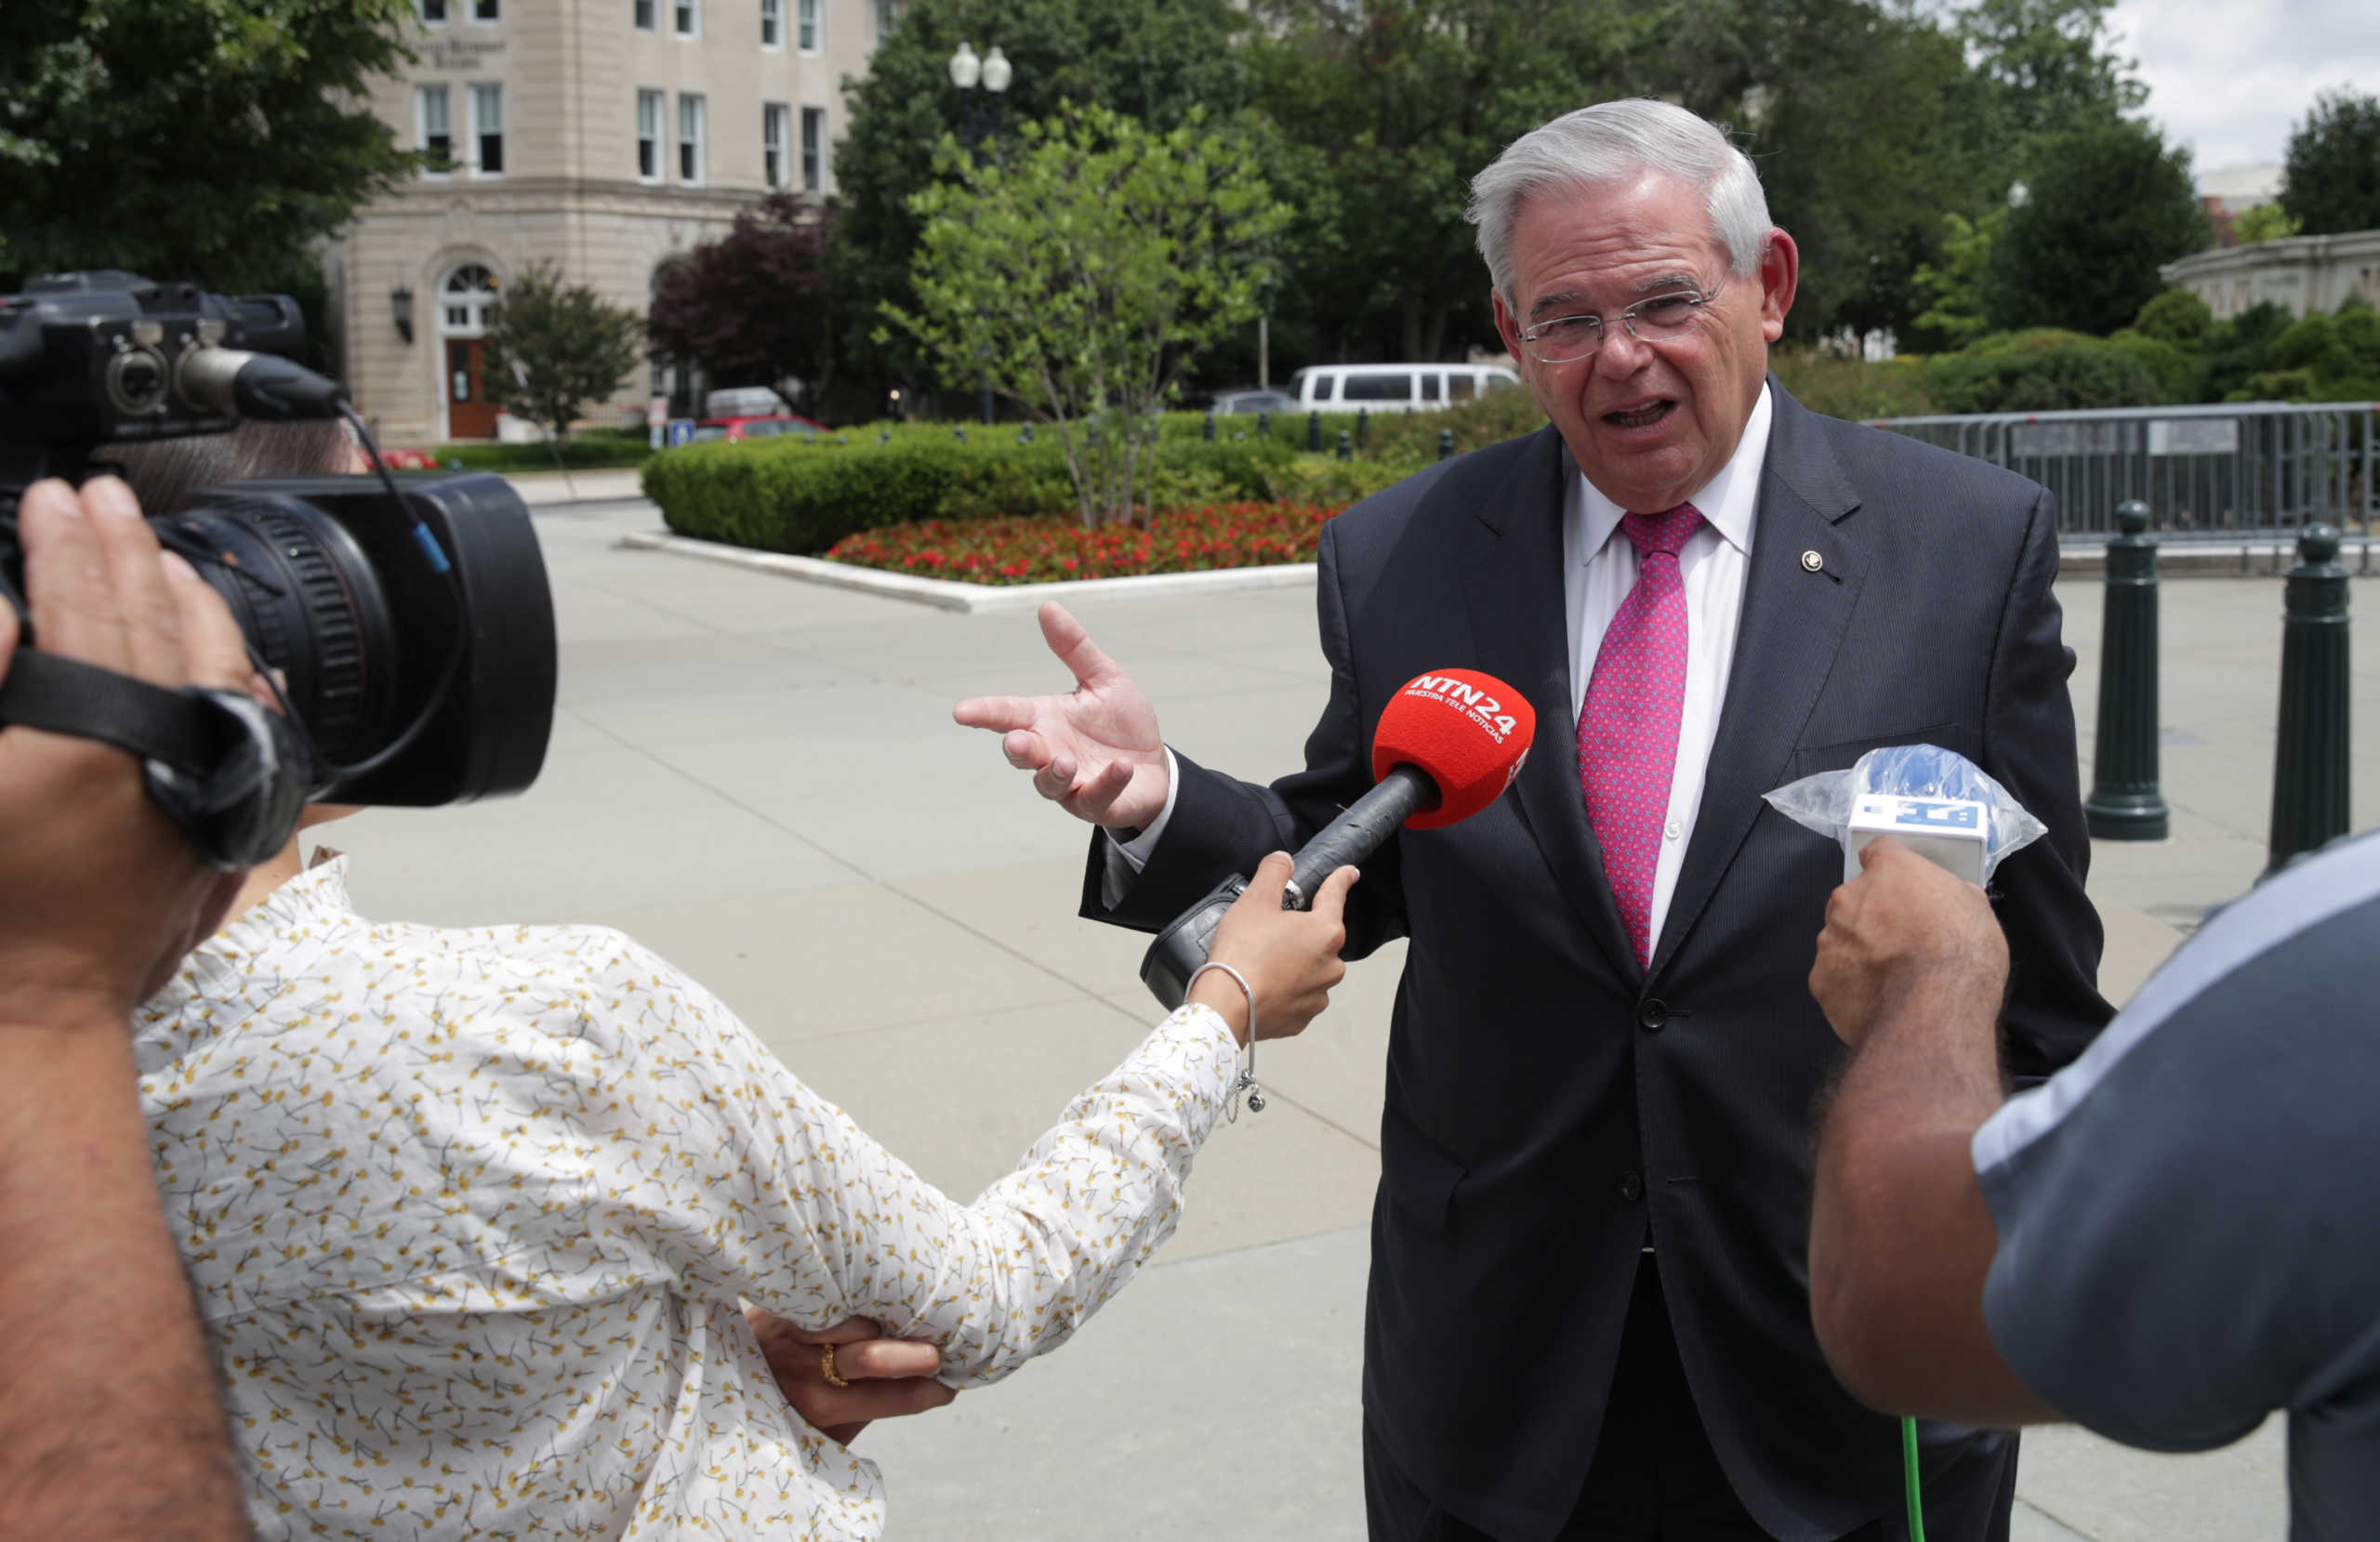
1394 388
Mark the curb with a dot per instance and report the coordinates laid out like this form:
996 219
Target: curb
970 598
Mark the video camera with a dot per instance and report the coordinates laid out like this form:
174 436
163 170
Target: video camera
407 622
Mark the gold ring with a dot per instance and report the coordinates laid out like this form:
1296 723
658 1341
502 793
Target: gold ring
826 1363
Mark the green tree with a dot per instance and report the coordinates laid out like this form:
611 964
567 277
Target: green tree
1385 112
2333 172
205 139
1845 107
2106 205
552 350
1080 273
2265 222
1954 315
1156 60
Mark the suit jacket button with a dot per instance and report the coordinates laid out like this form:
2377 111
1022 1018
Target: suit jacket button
1652 1014
1631 1186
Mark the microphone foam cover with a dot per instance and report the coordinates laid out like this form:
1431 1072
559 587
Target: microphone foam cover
1470 732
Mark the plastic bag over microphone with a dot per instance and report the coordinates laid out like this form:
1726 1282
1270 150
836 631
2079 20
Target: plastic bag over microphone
1936 801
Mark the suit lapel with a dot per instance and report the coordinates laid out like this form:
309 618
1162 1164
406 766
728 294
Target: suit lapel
1792 625
1512 585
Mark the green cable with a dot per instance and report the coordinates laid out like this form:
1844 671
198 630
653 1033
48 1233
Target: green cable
1909 1469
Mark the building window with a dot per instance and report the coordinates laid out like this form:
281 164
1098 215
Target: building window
690 138
465 300
648 16
689 15
888 16
487 129
648 135
486 10
435 130
813 149
812 26
433 12
774 119
772 23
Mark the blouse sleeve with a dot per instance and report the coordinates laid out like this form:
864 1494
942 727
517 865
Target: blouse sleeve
763 1190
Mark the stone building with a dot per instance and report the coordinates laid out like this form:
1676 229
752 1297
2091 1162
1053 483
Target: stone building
2302 273
608 137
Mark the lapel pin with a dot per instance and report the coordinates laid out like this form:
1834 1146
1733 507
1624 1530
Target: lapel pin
1813 562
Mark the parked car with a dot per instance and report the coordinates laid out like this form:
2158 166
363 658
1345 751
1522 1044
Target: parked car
1395 388
737 430
1248 403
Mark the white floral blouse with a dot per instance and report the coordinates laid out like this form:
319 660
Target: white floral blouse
469 1214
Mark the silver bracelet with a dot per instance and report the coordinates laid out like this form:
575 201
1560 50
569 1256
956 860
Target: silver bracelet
1246 1080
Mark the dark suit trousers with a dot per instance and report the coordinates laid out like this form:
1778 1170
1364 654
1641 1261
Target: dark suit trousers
1654 1477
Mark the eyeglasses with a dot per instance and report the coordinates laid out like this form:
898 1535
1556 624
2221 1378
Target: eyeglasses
1656 318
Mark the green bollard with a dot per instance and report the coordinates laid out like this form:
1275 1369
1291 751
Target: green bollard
1363 425
1210 428
1314 433
2125 803
1446 444
2309 774
1346 447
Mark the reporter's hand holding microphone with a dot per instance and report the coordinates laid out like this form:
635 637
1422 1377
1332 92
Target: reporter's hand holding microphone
1289 959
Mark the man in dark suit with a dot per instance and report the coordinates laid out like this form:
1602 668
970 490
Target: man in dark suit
1604 1056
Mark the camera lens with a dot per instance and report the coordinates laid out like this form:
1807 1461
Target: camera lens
307 596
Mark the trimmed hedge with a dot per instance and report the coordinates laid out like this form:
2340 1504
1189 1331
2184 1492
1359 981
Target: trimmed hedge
802 496
2044 370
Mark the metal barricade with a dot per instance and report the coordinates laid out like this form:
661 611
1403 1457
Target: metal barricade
2236 471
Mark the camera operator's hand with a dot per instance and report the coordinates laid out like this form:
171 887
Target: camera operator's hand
100 898
100 895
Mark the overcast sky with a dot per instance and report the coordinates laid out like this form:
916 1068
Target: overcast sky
2231 78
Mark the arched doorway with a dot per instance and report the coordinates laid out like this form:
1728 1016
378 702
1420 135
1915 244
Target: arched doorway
465 299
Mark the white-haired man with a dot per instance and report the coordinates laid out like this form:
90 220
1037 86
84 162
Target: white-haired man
1604 1056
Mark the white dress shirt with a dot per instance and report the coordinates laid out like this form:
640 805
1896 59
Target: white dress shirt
1598 569
468 1214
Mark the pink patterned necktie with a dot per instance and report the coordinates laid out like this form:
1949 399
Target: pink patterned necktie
1628 731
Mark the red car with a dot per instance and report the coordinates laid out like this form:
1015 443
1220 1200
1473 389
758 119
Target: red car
736 431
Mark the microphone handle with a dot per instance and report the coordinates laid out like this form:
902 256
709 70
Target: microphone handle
1362 829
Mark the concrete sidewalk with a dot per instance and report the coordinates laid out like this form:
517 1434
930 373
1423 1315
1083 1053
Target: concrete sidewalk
760 778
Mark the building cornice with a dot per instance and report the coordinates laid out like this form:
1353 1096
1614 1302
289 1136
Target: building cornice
2298 251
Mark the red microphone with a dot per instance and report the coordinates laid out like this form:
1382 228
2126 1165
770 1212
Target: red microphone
1448 745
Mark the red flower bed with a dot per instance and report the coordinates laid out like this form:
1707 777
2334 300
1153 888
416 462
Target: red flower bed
1039 549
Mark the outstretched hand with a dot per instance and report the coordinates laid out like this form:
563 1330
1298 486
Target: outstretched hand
1095 751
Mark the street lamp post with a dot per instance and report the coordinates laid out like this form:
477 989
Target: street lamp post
993 72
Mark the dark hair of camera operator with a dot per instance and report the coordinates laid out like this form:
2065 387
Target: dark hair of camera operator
110 1427
400 1154
165 472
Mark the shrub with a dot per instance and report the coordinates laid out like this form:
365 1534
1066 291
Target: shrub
1859 390
1056 546
2041 370
2177 317
1329 480
804 496
2176 371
